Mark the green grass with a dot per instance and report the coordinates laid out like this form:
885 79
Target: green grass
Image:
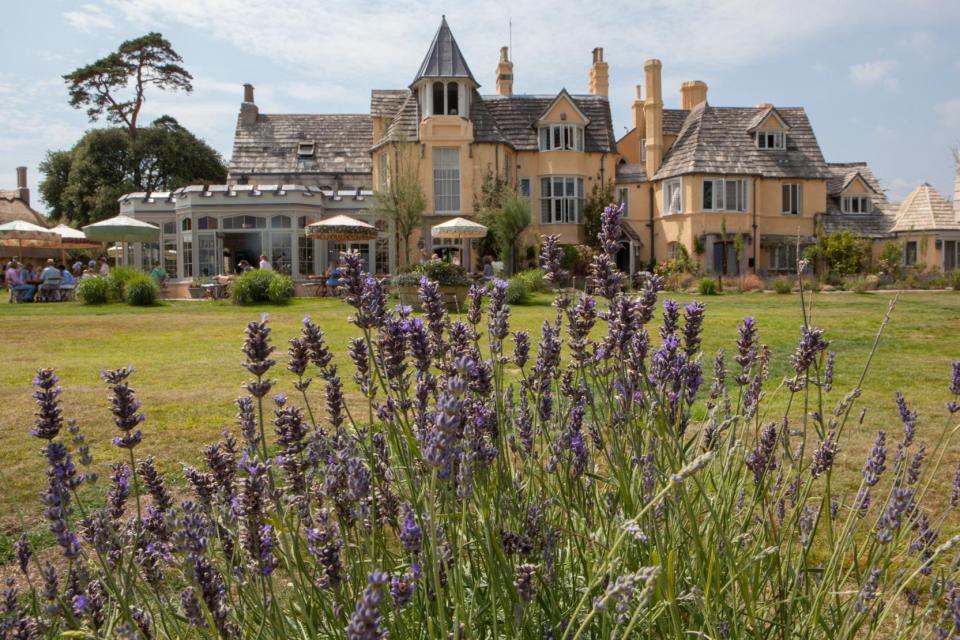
187 360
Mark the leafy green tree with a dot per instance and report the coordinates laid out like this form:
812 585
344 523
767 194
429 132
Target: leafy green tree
488 199
82 185
845 253
402 200
115 86
507 222
600 197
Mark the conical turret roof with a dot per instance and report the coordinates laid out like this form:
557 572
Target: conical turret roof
444 59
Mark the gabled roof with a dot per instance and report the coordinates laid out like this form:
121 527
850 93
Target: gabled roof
12 208
444 59
764 113
925 210
561 96
512 120
716 140
270 145
844 173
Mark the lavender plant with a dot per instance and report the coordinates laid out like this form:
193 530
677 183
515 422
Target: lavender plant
487 492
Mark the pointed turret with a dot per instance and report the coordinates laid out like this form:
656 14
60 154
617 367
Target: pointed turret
444 84
444 59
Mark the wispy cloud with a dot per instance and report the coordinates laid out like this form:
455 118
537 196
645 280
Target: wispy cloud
876 73
88 18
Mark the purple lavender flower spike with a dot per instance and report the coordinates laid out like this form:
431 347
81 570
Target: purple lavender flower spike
411 535
747 349
125 408
49 415
610 229
811 343
671 318
876 460
402 589
824 455
605 278
23 552
317 349
692 326
324 543
868 592
475 293
352 276
909 419
499 326
119 490
521 348
550 256
523 580
955 488
828 371
372 307
365 621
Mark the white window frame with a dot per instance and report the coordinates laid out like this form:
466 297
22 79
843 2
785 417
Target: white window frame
446 179
672 203
565 207
560 137
720 194
856 204
771 139
796 198
623 197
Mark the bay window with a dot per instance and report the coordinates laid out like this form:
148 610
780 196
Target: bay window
561 200
446 179
792 199
783 257
725 195
673 196
561 137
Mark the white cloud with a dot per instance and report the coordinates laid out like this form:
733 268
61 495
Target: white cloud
88 18
949 113
876 73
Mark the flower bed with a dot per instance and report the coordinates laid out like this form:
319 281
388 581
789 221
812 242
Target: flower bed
586 482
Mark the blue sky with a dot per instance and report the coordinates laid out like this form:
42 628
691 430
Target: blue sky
880 80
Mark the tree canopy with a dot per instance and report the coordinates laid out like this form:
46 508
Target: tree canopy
506 214
115 86
402 199
82 185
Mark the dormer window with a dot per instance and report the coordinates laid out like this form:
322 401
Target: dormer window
561 137
306 149
856 204
446 98
771 140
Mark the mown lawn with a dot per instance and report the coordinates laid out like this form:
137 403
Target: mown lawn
187 360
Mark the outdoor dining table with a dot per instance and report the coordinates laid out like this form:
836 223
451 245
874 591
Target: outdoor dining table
215 290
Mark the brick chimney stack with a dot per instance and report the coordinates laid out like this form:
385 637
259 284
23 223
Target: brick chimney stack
598 83
23 192
248 108
692 93
504 73
653 113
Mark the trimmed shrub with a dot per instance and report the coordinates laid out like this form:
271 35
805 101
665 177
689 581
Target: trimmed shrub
517 292
252 287
141 291
708 287
280 289
955 279
533 278
782 286
446 274
95 290
118 279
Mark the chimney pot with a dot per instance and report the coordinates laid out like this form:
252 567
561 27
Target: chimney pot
692 93
598 82
248 93
639 92
248 108
504 73
21 177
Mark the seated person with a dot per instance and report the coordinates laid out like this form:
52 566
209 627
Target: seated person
69 283
15 282
50 272
333 277
87 273
159 274
243 266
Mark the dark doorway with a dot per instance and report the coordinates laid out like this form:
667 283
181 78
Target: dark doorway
623 257
241 246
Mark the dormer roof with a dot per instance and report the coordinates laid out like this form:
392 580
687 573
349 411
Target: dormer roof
563 95
925 210
765 113
444 59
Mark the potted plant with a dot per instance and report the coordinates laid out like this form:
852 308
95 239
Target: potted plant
197 292
452 278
